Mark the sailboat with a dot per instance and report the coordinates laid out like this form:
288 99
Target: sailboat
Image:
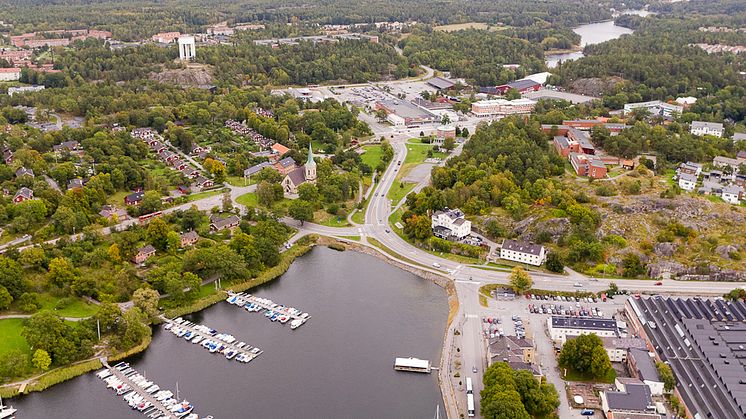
6 412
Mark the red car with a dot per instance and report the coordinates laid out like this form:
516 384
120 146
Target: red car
659 283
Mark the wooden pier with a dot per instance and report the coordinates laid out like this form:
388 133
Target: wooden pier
244 298
189 326
164 412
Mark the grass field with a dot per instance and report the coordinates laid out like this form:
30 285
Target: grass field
67 307
249 199
398 191
575 376
10 330
117 198
325 219
239 181
372 156
196 196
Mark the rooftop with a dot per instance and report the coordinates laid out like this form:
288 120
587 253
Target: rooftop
565 322
636 398
704 342
708 125
522 247
645 365
441 83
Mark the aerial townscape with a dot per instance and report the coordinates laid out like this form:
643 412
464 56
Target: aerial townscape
373 209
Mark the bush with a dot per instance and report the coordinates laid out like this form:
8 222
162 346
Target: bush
606 190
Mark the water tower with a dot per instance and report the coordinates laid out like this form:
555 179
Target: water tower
186 47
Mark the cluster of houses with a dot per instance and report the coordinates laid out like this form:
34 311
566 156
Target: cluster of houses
725 179
240 128
172 159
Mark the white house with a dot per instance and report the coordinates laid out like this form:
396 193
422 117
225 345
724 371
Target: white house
560 327
707 128
395 120
450 224
687 181
732 194
523 252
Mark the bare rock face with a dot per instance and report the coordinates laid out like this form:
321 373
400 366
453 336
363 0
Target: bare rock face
192 76
555 228
618 257
724 251
665 249
595 86
663 267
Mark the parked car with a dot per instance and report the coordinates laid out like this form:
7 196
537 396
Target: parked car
587 412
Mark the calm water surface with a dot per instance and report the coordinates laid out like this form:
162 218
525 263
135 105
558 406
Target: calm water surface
338 365
594 33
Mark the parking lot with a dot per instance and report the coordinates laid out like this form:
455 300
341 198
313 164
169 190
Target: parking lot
531 320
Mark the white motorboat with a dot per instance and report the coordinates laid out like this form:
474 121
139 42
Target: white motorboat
6 412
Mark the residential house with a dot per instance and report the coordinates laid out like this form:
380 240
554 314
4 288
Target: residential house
143 254
642 365
690 168
220 223
76 183
707 128
113 213
450 224
10 74
723 162
23 194
296 177
513 350
190 172
634 401
22 171
739 136
523 252
67 146
134 198
687 181
7 155
732 194
189 238
279 149
203 183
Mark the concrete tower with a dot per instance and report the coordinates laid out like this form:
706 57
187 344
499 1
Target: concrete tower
310 166
187 47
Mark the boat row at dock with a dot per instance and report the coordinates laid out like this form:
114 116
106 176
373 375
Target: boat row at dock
212 341
144 395
273 311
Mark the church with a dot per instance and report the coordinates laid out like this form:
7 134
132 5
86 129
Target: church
300 175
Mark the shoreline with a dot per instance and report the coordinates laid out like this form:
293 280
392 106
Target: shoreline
62 374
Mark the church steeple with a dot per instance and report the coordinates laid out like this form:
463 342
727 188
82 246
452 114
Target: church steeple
310 166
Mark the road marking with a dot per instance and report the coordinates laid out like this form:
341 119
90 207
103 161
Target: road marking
471 316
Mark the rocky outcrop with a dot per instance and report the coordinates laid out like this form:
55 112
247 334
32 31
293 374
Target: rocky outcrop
665 249
595 86
555 228
192 76
665 268
724 251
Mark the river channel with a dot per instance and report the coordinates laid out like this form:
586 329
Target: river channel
365 313
594 33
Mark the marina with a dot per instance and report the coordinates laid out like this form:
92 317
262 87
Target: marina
412 365
143 395
270 309
212 341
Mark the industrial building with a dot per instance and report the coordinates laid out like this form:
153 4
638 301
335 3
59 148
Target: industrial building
704 342
560 327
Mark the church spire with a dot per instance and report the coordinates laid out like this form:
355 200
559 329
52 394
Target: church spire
310 160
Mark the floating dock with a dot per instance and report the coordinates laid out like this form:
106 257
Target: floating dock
212 341
412 365
272 310
143 395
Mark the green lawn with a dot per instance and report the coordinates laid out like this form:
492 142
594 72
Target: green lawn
67 307
397 192
239 180
324 218
115 199
417 153
10 330
372 156
249 199
356 238
196 196
575 376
